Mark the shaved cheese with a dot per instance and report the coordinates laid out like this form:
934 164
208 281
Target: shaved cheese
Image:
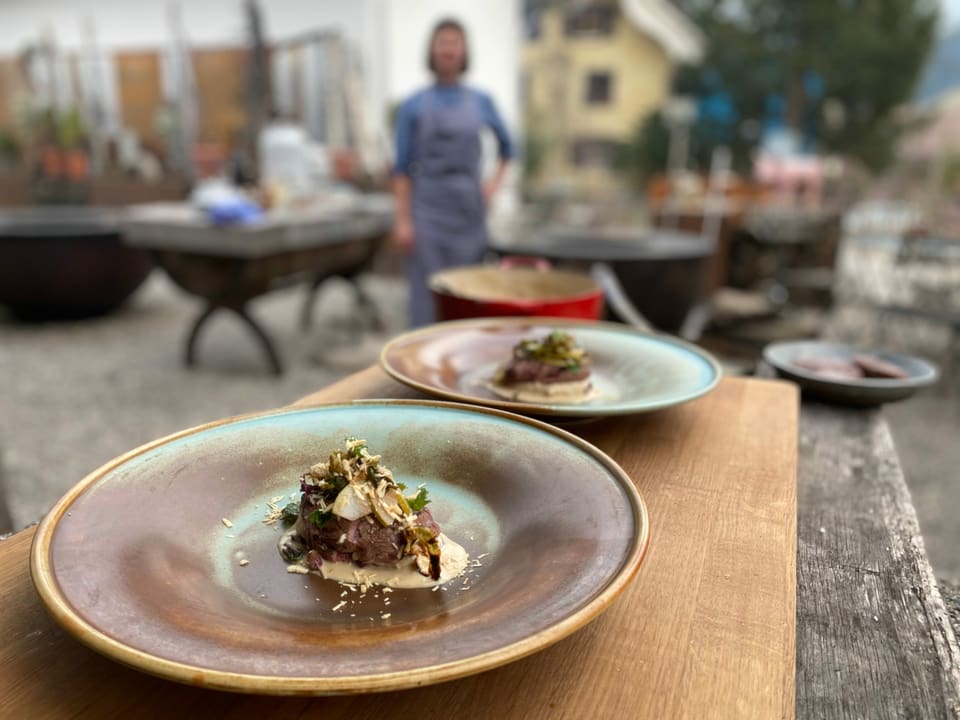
352 503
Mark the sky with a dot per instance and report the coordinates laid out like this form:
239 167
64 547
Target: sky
951 14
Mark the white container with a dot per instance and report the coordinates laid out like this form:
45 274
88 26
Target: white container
284 162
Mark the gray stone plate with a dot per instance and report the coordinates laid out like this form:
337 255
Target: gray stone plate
861 391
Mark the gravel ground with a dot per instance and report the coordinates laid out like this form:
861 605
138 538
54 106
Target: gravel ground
925 433
924 427
951 598
77 394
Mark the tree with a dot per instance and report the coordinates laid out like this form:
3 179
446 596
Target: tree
858 59
645 152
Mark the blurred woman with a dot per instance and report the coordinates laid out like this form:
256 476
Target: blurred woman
441 199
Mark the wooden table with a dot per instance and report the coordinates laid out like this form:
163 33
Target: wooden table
230 266
706 630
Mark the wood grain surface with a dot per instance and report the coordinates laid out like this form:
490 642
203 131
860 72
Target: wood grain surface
874 639
706 630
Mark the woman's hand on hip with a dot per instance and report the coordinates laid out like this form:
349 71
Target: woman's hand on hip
489 190
492 185
403 235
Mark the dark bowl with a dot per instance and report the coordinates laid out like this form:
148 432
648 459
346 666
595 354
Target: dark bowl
662 272
60 263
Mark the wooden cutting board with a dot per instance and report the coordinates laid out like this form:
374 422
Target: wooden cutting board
706 630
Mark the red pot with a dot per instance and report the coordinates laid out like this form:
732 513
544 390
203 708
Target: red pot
488 291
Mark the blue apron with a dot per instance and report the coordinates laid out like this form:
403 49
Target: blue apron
447 205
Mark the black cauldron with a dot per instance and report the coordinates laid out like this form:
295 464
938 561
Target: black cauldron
61 262
661 272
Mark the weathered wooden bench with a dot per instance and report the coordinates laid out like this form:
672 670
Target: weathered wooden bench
874 638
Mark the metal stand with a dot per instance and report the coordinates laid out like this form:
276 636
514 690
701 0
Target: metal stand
241 311
364 302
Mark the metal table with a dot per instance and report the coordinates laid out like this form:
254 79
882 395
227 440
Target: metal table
230 266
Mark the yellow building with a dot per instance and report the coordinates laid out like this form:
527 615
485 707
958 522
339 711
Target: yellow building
591 73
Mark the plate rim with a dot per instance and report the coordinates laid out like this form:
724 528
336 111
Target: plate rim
541 410
57 604
867 384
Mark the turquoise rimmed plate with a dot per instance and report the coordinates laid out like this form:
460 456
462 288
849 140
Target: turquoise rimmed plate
632 371
137 562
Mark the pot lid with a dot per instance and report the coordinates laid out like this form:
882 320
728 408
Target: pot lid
607 244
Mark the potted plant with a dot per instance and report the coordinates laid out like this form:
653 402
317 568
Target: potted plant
9 149
72 139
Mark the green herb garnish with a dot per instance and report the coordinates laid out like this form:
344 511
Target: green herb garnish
320 518
338 482
357 450
291 511
419 501
557 349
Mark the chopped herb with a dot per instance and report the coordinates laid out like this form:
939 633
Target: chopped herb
291 511
419 534
320 518
419 501
357 450
558 349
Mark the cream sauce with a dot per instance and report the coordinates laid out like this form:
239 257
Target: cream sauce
564 393
453 561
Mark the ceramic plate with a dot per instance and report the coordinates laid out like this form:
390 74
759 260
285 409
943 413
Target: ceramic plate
632 371
863 391
136 562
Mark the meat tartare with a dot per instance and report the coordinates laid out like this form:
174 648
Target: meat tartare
854 368
353 514
554 369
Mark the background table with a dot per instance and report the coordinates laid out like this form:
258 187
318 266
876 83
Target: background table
706 630
230 266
